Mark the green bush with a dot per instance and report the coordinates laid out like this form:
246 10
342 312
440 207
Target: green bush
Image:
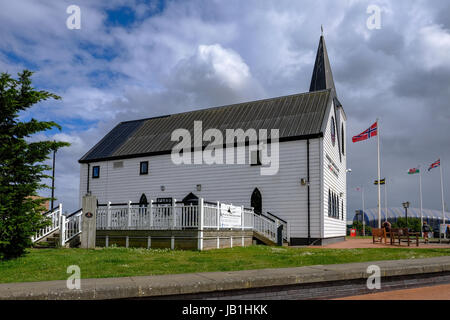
359 228
413 224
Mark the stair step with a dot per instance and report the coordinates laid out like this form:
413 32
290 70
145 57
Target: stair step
44 244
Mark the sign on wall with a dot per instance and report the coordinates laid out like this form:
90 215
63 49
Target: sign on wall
230 216
164 200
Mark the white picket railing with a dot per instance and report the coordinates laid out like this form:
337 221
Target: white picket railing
156 216
279 221
54 215
265 226
177 216
71 226
68 226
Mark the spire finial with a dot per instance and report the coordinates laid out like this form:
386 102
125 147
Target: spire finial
322 76
321 29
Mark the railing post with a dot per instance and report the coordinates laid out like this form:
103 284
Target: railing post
174 214
80 217
253 218
151 213
62 230
200 224
59 212
218 215
108 215
129 215
89 222
242 218
279 233
288 232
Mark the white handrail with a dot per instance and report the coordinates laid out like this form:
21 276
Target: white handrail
265 227
55 216
178 216
72 227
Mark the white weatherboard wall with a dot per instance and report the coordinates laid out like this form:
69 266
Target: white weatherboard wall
333 227
282 194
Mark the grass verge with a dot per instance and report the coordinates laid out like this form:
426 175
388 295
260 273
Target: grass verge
51 264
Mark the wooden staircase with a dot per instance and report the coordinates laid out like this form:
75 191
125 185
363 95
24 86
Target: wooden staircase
262 239
63 230
50 241
265 229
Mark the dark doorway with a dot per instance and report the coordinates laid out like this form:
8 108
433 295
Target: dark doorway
143 201
143 204
256 201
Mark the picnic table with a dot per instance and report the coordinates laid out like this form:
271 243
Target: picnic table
395 234
403 234
378 234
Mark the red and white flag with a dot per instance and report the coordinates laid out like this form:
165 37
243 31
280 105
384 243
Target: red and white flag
435 164
369 133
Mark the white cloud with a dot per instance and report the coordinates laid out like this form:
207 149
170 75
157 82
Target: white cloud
435 45
225 64
204 53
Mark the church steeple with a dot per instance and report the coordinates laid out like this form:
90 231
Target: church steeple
322 78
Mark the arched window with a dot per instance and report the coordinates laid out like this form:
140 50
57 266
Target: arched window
343 139
143 204
333 131
143 201
334 205
329 203
256 201
337 207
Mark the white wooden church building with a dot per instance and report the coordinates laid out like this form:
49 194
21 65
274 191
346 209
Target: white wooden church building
133 161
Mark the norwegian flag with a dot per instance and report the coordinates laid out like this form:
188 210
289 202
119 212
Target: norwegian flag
435 164
369 133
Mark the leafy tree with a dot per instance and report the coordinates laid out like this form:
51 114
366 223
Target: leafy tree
21 164
413 224
359 228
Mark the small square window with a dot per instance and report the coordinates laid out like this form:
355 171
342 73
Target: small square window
96 172
143 167
255 158
118 164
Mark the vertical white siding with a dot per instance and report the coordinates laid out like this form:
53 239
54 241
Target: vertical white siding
333 227
282 194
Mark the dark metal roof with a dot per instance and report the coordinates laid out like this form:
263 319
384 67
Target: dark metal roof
322 77
296 116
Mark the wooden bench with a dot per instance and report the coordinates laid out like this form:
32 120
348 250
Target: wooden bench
403 234
378 234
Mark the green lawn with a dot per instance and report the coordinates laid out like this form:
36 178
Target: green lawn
51 264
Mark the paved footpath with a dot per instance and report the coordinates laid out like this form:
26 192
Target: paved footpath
368 243
210 282
440 292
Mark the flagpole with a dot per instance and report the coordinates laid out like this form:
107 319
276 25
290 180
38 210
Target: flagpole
442 193
385 199
379 185
420 198
363 214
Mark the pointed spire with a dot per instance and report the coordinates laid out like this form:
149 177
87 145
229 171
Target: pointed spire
322 78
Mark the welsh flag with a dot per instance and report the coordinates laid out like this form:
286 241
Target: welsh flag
413 171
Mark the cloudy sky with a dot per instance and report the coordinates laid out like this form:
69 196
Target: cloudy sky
134 59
